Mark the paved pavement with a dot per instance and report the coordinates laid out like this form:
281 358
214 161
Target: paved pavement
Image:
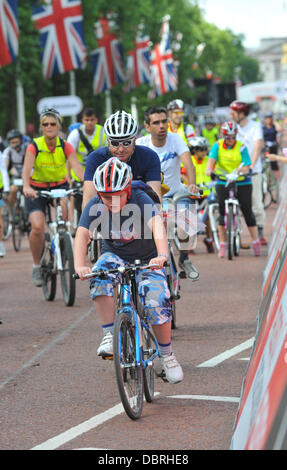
57 394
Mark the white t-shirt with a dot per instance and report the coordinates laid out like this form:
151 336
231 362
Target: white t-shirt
169 155
4 173
247 135
74 137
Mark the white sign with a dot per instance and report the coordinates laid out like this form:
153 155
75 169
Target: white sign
66 105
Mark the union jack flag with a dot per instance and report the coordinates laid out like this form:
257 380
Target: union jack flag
60 23
164 72
138 64
8 31
107 59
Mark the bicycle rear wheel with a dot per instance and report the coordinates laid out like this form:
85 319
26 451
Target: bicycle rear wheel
129 376
49 277
68 283
17 227
7 220
230 233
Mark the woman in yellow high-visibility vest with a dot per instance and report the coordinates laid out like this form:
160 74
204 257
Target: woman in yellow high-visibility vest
228 154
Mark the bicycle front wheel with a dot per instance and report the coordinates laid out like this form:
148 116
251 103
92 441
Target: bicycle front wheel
68 283
230 233
129 375
49 277
148 372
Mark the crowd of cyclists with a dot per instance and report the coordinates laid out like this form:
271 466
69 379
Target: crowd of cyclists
116 163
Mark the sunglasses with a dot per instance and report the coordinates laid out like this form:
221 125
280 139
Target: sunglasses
179 113
46 124
124 143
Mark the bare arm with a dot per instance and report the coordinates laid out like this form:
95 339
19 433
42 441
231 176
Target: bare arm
189 166
89 191
82 239
77 167
258 144
26 174
156 186
160 239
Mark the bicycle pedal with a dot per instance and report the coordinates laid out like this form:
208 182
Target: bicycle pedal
182 274
107 358
162 376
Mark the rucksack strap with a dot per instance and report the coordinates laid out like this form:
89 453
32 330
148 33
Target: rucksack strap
85 142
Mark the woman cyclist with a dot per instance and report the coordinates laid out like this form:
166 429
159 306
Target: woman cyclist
228 154
45 168
125 239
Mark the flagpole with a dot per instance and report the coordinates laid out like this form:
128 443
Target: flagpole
72 76
108 99
21 121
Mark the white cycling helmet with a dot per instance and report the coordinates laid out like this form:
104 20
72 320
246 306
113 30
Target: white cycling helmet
175 104
112 176
120 126
50 112
229 128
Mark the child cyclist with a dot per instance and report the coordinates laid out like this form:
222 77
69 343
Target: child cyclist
228 154
199 153
126 239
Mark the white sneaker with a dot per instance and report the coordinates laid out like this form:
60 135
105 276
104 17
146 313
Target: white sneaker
106 347
37 276
172 371
2 250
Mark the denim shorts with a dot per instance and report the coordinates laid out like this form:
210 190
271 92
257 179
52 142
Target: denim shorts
152 287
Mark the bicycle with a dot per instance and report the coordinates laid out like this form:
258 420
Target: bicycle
232 221
77 203
270 187
7 219
134 345
57 256
20 218
172 274
209 207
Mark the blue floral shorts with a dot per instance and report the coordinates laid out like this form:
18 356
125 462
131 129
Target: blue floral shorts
152 287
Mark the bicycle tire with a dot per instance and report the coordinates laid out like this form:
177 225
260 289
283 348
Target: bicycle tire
169 279
237 237
230 228
148 372
49 277
7 218
129 377
68 283
17 227
213 217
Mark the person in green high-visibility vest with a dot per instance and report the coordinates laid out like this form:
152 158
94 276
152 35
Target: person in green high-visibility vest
210 131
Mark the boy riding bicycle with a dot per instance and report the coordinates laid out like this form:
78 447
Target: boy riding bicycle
125 239
228 154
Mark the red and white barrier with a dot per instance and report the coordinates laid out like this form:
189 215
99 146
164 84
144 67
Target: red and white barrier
261 421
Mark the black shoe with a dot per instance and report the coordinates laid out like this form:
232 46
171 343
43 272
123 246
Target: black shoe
209 245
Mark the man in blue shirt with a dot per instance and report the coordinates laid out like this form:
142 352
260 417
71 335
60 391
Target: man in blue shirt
121 131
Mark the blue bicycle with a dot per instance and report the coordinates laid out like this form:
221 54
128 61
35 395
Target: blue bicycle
134 345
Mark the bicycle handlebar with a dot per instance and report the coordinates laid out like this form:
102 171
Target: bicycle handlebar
178 197
58 193
119 270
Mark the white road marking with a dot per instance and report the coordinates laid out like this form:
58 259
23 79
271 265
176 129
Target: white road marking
47 348
206 398
61 439
227 354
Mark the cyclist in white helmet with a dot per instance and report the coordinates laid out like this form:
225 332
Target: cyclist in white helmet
121 130
177 122
124 241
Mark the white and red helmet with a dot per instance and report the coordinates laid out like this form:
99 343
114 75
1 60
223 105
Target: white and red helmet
229 128
112 176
